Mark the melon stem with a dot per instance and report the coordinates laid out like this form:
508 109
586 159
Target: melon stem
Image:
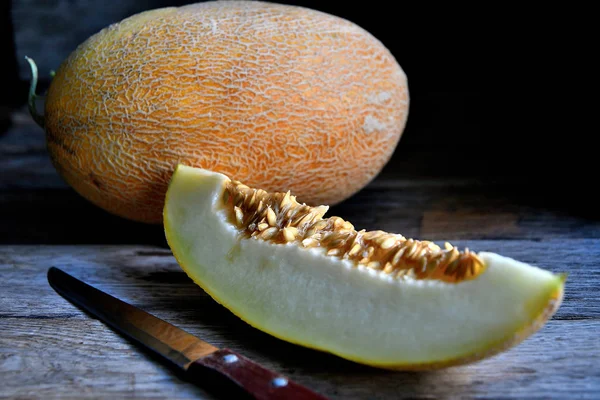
38 118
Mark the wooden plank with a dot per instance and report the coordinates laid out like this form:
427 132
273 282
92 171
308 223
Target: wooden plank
37 206
61 216
26 163
23 154
465 224
50 349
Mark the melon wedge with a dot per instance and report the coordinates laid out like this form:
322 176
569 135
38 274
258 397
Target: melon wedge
371 297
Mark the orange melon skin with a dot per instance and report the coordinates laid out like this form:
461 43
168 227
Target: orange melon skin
280 97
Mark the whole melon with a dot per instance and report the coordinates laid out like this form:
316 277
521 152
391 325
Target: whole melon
280 97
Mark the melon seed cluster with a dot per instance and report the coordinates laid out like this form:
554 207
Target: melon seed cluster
279 218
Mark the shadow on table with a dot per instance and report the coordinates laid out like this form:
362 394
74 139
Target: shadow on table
192 309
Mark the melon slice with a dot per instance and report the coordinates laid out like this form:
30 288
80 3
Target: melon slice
371 297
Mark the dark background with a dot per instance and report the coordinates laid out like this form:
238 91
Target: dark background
483 81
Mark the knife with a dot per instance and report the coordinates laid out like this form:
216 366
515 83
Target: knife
214 369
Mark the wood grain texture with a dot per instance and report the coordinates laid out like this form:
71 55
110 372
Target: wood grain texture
408 197
50 349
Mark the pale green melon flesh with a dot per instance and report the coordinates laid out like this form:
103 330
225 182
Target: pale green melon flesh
305 297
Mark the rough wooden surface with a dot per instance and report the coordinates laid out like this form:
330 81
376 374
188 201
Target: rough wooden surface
421 193
49 348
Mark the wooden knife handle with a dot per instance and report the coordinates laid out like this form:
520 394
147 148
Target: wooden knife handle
255 380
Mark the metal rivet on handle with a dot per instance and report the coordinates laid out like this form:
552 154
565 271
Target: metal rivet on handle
230 358
279 382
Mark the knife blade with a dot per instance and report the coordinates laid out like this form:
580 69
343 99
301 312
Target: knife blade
201 362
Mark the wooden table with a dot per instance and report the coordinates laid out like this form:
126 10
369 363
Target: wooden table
50 349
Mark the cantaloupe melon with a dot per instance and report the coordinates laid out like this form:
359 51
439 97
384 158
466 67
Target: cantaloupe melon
279 96
372 297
